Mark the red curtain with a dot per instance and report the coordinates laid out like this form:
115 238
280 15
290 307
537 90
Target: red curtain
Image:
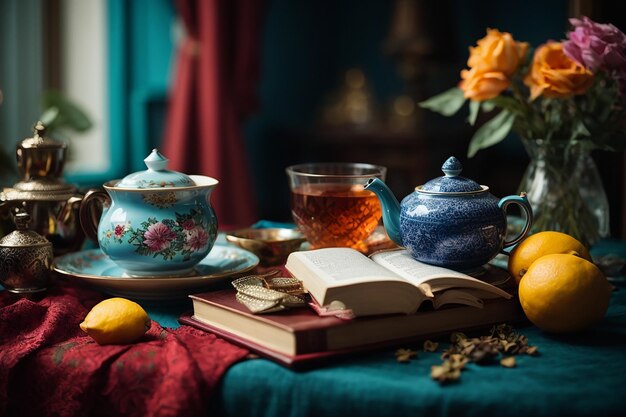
213 90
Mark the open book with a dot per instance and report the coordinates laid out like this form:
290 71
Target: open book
386 282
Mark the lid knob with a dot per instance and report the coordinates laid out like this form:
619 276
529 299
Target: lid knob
452 167
21 219
39 130
40 156
21 236
452 182
156 161
156 176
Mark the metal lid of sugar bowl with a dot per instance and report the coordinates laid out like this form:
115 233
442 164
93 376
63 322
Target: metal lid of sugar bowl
451 182
22 237
156 176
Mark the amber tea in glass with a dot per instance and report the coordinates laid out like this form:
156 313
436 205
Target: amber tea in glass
330 206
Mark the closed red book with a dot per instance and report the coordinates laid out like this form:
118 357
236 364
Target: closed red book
299 338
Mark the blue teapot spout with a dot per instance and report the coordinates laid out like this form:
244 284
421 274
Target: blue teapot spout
391 208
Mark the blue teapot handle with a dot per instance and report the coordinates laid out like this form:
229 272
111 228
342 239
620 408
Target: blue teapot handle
521 201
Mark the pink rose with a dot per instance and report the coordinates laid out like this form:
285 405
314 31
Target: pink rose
188 224
158 237
196 239
119 231
596 46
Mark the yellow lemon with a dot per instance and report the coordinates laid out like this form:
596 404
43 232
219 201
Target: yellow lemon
116 321
564 293
541 244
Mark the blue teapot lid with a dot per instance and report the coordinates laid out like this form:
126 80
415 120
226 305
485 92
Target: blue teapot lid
156 176
451 182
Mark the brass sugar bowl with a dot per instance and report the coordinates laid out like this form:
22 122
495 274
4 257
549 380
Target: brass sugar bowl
26 259
52 204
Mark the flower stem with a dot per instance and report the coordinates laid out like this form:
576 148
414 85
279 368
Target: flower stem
552 183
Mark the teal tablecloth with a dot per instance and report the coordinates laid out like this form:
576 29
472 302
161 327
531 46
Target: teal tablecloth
580 375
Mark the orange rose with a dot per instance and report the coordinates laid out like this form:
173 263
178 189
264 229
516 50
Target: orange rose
492 62
555 75
497 52
480 86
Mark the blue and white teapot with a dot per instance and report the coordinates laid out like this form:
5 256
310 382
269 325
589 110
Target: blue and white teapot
450 221
154 222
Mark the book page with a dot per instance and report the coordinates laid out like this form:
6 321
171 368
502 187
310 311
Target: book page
346 277
435 277
340 265
452 296
401 263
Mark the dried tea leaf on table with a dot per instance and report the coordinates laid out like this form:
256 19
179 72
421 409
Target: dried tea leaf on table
508 362
430 346
456 337
445 373
405 355
457 361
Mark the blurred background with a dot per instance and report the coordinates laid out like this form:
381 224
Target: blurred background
242 89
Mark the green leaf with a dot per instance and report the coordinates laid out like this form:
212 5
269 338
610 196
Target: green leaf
507 103
488 105
579 130
446 103
49 116
491 133
474 107
70 115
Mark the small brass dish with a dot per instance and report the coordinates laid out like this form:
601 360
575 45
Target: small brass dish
272 245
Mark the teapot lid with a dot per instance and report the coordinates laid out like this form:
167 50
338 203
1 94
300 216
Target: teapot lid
40 161
156 176
451 182
40 140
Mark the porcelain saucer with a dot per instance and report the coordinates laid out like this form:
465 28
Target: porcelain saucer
94 268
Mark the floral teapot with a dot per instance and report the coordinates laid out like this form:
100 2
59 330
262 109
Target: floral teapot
154 222
450 221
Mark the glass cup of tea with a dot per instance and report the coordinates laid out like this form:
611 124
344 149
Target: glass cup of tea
330 206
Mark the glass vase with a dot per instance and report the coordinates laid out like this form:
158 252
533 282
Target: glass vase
565 190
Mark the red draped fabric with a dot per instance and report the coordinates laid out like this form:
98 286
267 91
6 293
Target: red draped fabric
49 367
213 90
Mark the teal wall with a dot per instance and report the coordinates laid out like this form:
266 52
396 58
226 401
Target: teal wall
140 44
21 79
139 55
